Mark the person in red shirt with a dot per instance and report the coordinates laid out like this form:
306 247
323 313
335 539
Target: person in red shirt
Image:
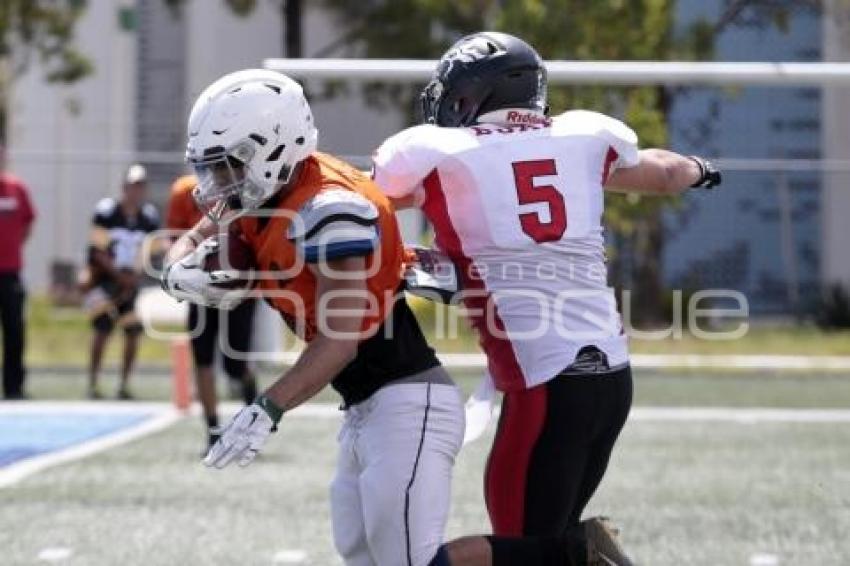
16 217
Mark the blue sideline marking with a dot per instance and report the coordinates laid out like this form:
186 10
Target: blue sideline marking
31 434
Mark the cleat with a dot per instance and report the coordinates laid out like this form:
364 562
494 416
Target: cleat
213 434
603 548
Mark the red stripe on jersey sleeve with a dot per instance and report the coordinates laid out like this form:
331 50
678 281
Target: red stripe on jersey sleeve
501 357
610 158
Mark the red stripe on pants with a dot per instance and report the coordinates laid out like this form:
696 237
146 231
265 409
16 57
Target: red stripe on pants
501 357
522 420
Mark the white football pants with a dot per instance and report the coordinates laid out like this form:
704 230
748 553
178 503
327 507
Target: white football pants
390 497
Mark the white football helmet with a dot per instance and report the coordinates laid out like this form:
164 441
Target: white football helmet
247 132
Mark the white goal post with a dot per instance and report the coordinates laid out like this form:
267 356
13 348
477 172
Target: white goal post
587 72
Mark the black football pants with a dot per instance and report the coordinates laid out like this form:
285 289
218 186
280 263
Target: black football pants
12 297
551 450
235 338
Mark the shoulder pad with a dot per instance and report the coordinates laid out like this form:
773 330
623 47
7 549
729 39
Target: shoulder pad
335 223
403 160
411 136
617 134
332 205
151 213
105 206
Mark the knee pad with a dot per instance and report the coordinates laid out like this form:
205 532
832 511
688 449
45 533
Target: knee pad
441 558
103 323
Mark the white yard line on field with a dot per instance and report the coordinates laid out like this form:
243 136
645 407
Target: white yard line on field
55 554
163 417
650 414
671 361
739 415
750 362
289 557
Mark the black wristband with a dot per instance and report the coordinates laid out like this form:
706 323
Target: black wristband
709 176
272 410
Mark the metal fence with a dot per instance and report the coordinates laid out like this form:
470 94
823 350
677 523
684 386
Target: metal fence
762 233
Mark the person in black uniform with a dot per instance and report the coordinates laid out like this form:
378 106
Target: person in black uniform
118 230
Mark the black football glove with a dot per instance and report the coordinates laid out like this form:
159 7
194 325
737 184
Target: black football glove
710 175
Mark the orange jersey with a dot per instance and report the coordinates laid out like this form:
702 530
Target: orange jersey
183 213
331 200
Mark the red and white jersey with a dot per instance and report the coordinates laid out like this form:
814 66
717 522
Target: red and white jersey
517 205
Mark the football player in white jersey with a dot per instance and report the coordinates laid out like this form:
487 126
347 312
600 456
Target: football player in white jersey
516 201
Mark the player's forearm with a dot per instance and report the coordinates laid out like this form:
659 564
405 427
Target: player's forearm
659 172
186 244
341 307
319 363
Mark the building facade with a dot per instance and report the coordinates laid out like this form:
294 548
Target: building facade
761 232
72 143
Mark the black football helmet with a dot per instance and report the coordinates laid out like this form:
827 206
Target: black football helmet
483 72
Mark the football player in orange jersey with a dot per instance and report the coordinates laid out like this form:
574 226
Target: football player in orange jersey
330 259
206 325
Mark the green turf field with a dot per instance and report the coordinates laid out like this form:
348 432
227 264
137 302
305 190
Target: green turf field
60 337
684 493
667 388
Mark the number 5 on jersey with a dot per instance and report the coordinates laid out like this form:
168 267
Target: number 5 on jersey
529 193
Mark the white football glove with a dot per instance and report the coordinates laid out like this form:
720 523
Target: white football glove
479 409
186 280
432 276
245 435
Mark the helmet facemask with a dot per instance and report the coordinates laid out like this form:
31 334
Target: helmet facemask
430 100
227 188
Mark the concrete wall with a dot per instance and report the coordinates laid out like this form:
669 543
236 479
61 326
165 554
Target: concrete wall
836 145
72 143
94 117
760 234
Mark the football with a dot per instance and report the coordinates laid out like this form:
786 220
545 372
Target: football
234 254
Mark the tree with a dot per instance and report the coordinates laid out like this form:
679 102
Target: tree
40 30
576 30
560 29
291 13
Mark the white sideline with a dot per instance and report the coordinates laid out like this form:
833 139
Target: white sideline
670 361
167 415
752 362
650 414
164 416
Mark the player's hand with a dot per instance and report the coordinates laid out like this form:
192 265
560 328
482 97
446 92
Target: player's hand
245 435
187 280
431 274
710 175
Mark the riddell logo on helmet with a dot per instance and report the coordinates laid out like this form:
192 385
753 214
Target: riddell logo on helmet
515 117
